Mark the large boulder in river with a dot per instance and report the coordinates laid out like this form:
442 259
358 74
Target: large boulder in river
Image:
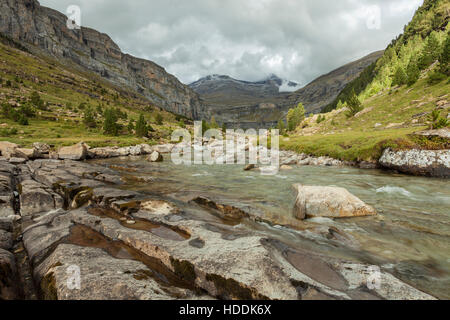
155 157
76 152
433 163
333 202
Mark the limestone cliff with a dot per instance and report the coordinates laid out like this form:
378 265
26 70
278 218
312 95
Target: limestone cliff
45 30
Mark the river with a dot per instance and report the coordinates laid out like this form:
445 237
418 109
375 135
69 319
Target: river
410 237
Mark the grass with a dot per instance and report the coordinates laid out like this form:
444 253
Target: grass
64 88
388 120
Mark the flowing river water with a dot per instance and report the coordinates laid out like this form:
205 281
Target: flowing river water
410 237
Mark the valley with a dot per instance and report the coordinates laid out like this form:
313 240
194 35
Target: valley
355 207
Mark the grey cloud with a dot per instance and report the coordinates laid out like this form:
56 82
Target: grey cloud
295 39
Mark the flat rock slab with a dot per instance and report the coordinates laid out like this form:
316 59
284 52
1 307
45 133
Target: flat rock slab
81 273
36 197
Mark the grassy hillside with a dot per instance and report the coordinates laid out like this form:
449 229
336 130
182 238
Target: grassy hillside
407 51
66 94
399 94
388 119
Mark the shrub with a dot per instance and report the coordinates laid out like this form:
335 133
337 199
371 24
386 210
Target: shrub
320 118
437 122
28 111
23 120
158 119
436 77
8 132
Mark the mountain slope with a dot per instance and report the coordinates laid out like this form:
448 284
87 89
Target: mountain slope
405 92
326 88
431 18
44 30
66 94
251 105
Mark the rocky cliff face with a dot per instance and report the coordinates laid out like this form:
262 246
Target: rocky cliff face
43 29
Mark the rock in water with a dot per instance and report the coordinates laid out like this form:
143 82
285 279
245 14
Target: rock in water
249 167
433 163
317 201
76 152
155 157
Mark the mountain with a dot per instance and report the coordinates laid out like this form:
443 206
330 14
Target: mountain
261 104
43 31
221 88
323 90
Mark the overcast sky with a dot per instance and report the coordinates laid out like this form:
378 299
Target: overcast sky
247 39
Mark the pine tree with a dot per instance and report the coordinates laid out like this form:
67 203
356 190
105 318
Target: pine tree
290 120
205 126
88 118
214 124
412 73
130 126
159 119
141 127
430 52
444 59
280 126
353 104
110 125
400 77
295 117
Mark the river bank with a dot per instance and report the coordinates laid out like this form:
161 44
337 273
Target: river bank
431 163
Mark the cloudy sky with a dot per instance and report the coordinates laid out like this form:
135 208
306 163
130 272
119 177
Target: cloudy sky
294 39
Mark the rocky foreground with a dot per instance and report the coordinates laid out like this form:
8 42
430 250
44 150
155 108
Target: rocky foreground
60 218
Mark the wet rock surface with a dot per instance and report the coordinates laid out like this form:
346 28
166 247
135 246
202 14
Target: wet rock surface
433 163
130 245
